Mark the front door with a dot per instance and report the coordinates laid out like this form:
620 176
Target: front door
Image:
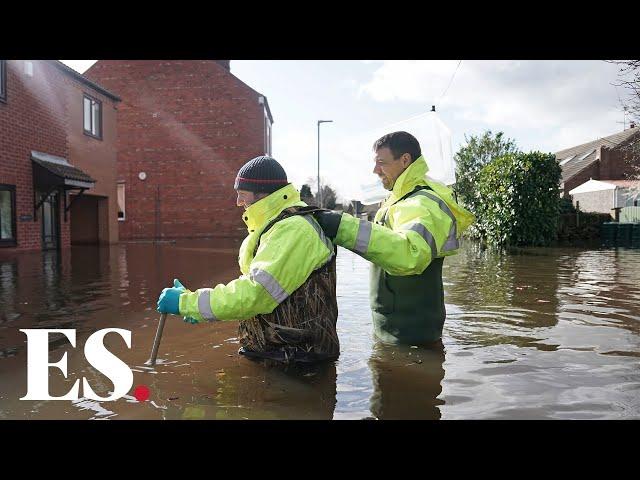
50 222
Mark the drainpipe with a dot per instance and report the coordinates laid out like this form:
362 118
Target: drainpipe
158 213
615 206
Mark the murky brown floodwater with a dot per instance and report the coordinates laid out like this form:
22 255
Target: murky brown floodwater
535 333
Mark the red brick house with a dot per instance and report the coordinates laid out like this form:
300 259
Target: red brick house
185 127
608 158
57 157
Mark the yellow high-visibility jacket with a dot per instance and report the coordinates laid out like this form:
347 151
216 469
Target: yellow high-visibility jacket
287 254
416 227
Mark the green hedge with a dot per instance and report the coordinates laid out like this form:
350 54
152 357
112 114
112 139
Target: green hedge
519 199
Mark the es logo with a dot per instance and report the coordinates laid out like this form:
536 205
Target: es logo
96 354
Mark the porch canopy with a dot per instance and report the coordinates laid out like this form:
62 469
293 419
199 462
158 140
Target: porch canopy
52 173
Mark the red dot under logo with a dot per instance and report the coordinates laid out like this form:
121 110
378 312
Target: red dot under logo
141 393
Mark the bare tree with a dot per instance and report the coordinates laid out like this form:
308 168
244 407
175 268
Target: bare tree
329 195
629 80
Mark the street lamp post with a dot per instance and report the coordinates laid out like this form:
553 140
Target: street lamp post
320 191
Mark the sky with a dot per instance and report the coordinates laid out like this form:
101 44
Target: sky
544 105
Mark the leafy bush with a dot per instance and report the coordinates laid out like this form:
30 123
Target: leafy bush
477 152
518 199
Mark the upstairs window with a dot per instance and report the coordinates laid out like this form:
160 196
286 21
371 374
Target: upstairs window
568 159
586 154
92 117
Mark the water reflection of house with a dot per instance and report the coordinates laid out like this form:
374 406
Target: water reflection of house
609 158
185 127
57 157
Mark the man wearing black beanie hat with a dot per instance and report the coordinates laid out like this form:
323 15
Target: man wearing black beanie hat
285 299
257 179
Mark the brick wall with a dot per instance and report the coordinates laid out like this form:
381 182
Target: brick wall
615 163
96 157
592 171
189 126
34 117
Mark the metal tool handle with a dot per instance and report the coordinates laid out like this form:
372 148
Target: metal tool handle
156 341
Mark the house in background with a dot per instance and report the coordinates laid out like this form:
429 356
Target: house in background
606 196
185 127
608 158
57 157
358 209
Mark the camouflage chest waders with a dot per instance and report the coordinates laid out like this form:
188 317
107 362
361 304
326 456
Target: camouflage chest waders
302 329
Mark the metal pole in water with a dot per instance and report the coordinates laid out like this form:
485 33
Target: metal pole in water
156 341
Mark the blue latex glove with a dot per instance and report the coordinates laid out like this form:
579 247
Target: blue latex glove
169 299
178 284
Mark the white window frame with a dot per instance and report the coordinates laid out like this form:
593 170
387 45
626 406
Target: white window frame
568 159
124 211
13 241
94 103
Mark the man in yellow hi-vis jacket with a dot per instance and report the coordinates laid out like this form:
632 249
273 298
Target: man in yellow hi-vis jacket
285 299
416 227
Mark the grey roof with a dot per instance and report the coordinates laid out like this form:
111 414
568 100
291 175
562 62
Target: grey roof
81 78
60 167
578 158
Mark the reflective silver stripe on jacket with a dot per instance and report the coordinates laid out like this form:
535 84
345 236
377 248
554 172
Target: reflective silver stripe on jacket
363 237
269 283
426 234
204 304
320 232
452 240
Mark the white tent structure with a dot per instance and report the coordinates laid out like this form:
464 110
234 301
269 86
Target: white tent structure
605 195
592 186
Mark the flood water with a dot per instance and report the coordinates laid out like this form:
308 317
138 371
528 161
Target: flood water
545 333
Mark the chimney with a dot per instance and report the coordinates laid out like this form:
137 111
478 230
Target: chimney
224 63
604 155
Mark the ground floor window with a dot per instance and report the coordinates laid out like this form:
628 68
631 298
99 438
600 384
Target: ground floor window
121 215
7 215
